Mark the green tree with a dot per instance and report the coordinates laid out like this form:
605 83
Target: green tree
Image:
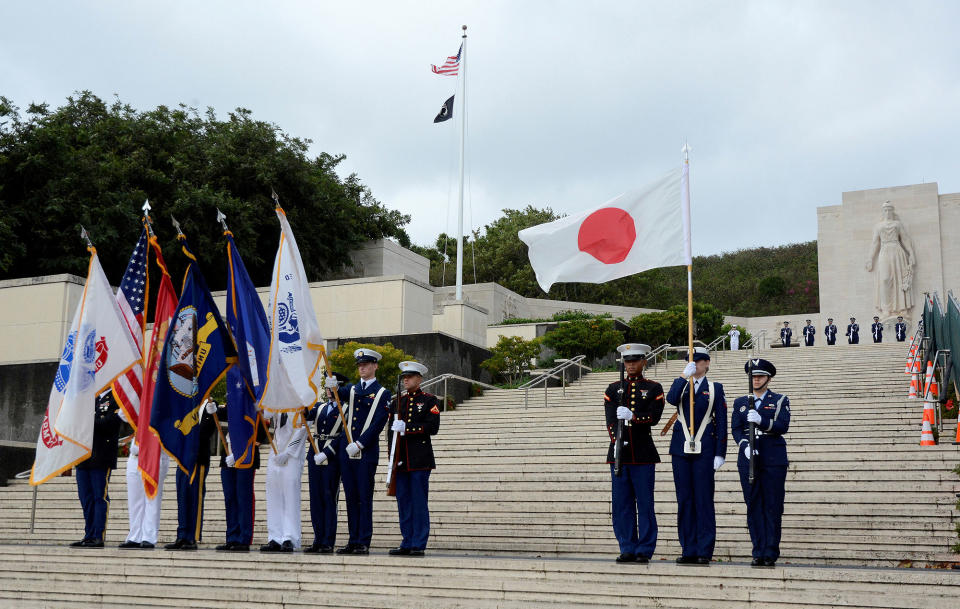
93 163
512 357
343 361
591 337
670 326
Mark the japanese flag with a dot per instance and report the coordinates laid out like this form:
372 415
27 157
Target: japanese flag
642 229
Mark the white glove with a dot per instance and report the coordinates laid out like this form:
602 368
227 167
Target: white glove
753 417
746 451
399 426
134 449
689 370
122 415
719 461
353 449
281 459
320 458
623 413
230 461
211 407
331 382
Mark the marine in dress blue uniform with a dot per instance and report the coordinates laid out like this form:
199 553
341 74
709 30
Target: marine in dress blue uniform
694 465
93 474
830 331
853 332
416 420
634 520
367 407
809 334
764 497
785 334
876 329
900 329
323 474
191 494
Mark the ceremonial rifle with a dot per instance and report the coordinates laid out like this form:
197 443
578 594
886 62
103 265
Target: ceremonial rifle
618 441
391 471
751 432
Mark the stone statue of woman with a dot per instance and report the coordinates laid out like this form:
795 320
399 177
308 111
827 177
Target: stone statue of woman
892 249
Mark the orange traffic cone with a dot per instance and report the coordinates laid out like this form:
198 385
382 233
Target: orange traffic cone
916 365
929 419
957 441
914 386
934 388
927 377
910 358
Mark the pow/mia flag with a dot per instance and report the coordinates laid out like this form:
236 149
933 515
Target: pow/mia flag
446 112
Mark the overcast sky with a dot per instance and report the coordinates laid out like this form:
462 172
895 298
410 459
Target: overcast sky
785 104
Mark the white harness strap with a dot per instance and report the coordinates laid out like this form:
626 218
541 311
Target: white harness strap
333 431
693 447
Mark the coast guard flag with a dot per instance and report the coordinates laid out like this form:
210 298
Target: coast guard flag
295 339
248 322
98 349
638 230
197 352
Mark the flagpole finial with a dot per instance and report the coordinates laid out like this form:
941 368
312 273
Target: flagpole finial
147 222
146 207
276 198
86 237
464 31
176 225
686 150
222 219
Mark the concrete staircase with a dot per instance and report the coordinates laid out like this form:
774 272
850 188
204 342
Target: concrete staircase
520 513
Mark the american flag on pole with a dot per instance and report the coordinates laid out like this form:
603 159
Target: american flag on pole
132 297
451 67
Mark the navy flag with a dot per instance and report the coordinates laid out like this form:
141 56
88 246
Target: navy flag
446 112
197 353
248 322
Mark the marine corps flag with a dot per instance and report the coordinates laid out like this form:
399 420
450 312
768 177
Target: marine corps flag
197 352
295 340
98 349
248 322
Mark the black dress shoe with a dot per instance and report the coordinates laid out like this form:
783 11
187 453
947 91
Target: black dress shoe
286 546
128 545
769 563
325 550
313 548
225 547
79 544
399 552
687 560
189 545
176 545
627 558
239 547
146 545
703 561
756 562
416 552
270 546
93 543
643 559
361 550
347 549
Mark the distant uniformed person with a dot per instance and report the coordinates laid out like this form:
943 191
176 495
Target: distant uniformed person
284 475
323 473
809 334
853 332
877 330
638 402
785 334
417 418
191 493
367 407
831 332
900 329
696 456
93 474
770 414
734 338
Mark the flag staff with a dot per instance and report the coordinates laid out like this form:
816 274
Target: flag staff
685 194
463 123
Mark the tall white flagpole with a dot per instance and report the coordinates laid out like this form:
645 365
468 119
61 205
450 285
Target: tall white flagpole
463 123
688 254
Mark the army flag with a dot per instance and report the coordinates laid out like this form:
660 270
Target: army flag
98 349
248 322
166 306
197 352
295 339
633 232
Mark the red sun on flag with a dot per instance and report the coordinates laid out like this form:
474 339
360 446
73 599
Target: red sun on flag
608 235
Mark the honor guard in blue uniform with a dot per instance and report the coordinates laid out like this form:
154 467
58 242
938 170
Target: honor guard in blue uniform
696 456
636 403
770 414
877 330
93 474
239 501
809 334
785 334
853 332
830 331
367 407
323 473
416 419
190 494
900 329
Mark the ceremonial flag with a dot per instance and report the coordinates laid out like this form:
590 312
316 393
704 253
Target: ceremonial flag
197 352
451 67
166 306
295 339
98 349
132 298
248 322
446 111
638 230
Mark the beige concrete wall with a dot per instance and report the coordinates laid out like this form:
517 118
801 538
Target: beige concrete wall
386 258
35 316
463 320
950 241
524 331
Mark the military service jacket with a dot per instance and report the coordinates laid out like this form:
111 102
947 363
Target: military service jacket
421 413
645 398
106 428
774 422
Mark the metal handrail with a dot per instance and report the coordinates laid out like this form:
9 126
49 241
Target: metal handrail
446 376
752 342
720 340
654 356
552 374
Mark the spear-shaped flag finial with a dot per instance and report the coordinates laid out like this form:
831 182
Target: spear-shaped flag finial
86 237
176 225
146 217
222 219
